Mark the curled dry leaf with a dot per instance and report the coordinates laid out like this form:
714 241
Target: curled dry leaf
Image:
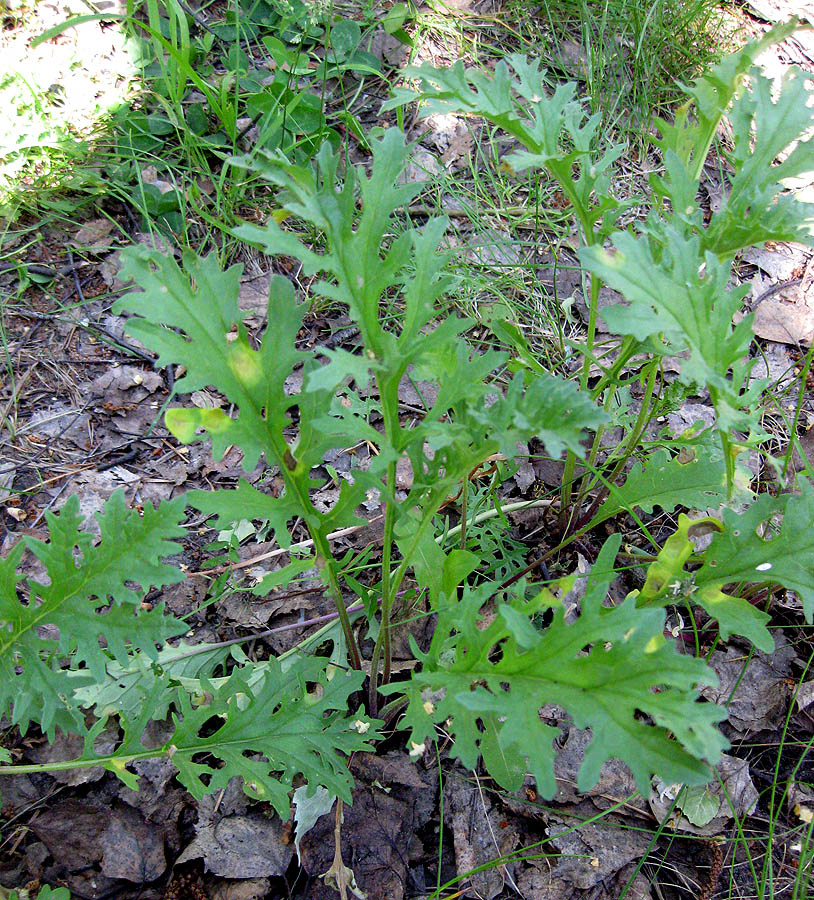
94 235
785 322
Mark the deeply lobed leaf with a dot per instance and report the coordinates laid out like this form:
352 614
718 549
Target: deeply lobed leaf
85 598
265 727
710 97
668 583
669 482
488 681
754 549
296 730
551 125
678 299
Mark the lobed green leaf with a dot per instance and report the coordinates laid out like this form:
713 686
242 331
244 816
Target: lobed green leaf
488 680
755 549
88 596
668 482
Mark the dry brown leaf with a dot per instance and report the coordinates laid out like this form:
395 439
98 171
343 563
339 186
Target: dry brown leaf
251 889
377 834
478 838
132 849
495 249
786 322
780 261
805 695
70 746
615 780
387 48
94 235
451 137
254 295
573 58
756 698
733 790
234 842
596 850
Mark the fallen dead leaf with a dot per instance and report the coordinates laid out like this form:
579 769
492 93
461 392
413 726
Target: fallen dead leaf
254 296
596 850
378 832
422 166
788 322
94 235
573 58
132 849
805 695
73 831
733 793
251 889
495 249
478 838
70 746
387 48
234 842
781 261
450 136
615 780
757 697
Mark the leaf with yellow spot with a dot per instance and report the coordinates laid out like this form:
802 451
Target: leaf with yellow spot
184 423
668 581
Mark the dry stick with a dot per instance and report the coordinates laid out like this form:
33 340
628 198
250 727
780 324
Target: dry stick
301 545
491 513
507 875
464 495
344 532
205 648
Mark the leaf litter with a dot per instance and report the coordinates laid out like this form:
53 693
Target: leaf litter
100 838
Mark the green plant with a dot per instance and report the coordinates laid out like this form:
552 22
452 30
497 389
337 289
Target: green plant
45 893
167 151
490 664
632 56
673 271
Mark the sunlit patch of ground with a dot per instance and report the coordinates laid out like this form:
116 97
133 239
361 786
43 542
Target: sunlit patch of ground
53 95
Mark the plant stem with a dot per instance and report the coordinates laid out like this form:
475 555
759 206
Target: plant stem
277 448
68 764
383 637
491 513
462 526
626 447
326 564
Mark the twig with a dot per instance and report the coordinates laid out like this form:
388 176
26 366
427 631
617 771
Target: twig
198 20
37 269
352 529
776 289
127 457
79 292
272 554
206 647
491 513
507 875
